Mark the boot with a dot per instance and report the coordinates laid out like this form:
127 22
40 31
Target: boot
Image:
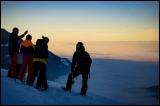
83 93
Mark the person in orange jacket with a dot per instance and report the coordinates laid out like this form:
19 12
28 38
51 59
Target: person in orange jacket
27 50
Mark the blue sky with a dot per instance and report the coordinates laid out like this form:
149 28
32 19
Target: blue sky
113 20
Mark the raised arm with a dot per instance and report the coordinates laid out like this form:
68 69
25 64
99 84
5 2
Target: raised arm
21 36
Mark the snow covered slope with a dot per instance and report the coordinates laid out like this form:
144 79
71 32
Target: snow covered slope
122 80
15 92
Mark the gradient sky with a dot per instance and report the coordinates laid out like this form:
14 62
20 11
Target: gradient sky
72 21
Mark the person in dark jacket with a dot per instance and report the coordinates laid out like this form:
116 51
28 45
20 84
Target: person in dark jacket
13 47
27 50
40 63
81 63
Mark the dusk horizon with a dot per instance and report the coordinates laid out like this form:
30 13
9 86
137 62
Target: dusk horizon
80 52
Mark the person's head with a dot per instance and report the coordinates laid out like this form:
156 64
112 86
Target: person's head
15 30
80 47
45 38
28 37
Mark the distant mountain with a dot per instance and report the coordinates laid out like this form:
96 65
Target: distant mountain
4 48
4 36
57 66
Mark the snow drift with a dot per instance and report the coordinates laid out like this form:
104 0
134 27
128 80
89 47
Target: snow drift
15 92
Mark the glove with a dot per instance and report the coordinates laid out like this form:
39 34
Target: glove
25 32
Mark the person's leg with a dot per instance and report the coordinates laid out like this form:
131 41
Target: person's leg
34 73
30 68
18 68
44 84
38 84
11 66
23 68
40 76
71 76
84 82
12 70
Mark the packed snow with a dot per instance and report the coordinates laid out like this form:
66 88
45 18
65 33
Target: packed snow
122 80
64 61
17 93
111 82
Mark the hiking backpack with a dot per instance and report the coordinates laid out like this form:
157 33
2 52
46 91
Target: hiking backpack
41 49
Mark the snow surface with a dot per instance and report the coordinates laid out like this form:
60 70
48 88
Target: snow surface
122 80
65 62
15 92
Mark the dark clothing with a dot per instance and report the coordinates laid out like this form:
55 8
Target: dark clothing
40 70
27 51
14 43
13 48
81 63
27 60
18 68
76 73
12 67
27 48
39 65
81 59
41 49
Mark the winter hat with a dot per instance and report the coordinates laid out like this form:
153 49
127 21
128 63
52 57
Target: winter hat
80 47
15 29
79 44
28 37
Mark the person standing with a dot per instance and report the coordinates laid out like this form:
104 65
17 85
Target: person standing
27 50
13 47
40 63
81 63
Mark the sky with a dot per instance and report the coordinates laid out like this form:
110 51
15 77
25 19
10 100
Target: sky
72 21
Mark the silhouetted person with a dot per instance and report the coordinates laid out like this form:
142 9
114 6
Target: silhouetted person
13 47
40 63
27 50
81 63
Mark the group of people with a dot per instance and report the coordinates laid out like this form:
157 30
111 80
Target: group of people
36 57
